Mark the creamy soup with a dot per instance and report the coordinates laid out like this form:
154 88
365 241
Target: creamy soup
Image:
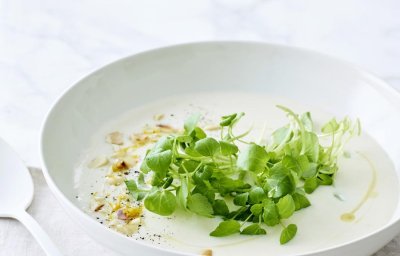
363 198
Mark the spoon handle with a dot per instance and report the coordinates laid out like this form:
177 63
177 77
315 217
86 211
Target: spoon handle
38 233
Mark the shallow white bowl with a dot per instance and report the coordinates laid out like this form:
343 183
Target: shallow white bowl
297 74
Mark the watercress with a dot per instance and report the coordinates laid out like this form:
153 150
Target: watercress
249 185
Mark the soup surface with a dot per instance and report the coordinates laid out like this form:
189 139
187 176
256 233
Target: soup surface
362 199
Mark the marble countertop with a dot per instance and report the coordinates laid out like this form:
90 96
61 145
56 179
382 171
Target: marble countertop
47 45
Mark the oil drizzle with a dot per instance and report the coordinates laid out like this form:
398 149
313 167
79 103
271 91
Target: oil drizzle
350 216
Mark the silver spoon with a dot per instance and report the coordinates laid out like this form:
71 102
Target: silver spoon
16 194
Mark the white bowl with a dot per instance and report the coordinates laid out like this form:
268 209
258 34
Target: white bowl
214 66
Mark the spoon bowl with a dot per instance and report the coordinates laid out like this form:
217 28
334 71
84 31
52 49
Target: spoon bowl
16 194
16 185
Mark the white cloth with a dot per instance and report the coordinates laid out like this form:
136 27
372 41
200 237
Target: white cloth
16 240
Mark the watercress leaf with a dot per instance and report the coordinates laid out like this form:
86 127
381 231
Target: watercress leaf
163 144
300 200
241 199
281 135
182 194
286 206
226 228
330 127
328 169
191 152
228 149
299 164
227 120
143 167
200 205
311 147
159 162
202 174
131 186
157 179
199 133
220 207
310 171
256 195
207 147
253 229
256 209
252 158
288 233
280 184
141 181
184 138
161 202
270 213
325 179
226 185
191 123
205 191
311 184
133 189
307 121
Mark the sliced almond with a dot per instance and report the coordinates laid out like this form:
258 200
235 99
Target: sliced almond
207 252
158 117
130 161
119 165
115 138
212 127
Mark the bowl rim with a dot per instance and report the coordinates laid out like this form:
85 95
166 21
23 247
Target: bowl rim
383 88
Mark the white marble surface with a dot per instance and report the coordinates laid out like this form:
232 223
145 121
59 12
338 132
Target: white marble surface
46 45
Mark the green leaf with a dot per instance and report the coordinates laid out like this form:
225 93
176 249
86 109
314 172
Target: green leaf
159 162
325 179
300 201
270 213
281 135
227 120
286 206
299 164
330 127
256 209
161 202
241 199
191 123
256 195
227 148
220 207
182 194
280 183
307 121
207 147
311 184
199 133
163 144
226 228
200 205
252 158
288 233
253 229
133 189
310 171
202 174
311 148
226 185
184 138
